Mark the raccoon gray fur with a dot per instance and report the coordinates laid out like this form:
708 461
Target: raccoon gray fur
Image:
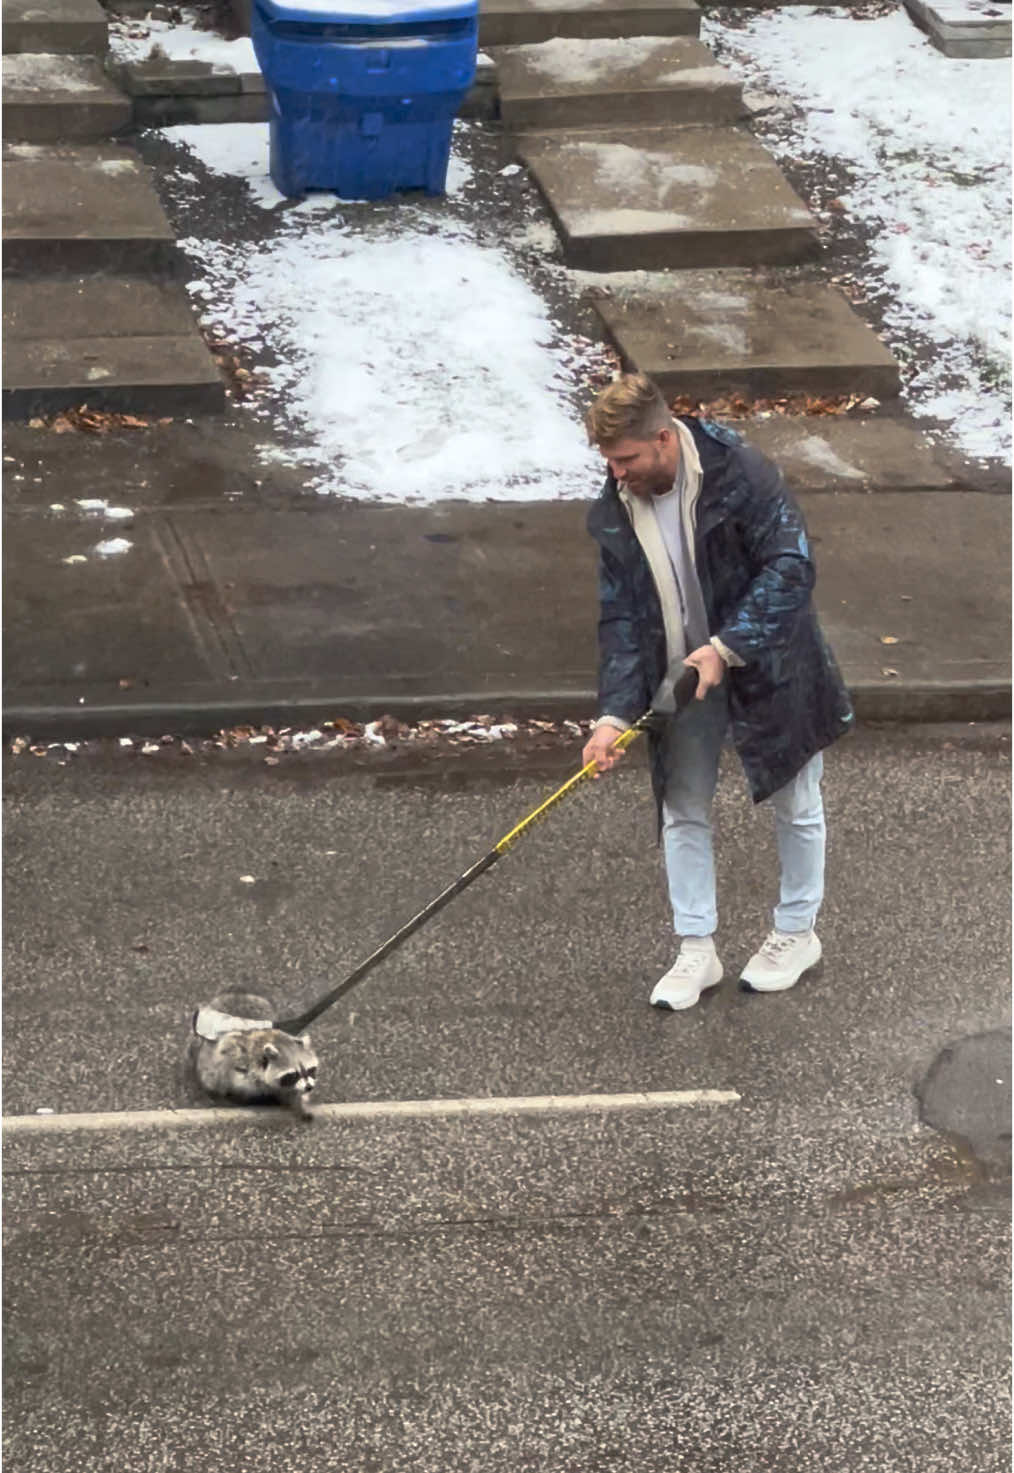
258 1066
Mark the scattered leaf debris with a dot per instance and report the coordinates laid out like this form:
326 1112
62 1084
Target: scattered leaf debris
739 407
243 380
340 734
90 421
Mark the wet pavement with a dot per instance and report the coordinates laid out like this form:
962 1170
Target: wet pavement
243 599
247 596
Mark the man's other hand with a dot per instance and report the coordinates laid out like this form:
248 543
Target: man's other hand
710 668
600 750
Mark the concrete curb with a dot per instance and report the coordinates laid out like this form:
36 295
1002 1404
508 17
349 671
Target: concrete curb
895 702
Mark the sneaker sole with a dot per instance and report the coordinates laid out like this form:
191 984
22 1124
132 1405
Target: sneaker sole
814 969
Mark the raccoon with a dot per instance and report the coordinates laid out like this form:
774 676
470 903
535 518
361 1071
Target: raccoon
253 1066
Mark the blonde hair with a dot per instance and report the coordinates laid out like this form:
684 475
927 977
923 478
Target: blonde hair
632 406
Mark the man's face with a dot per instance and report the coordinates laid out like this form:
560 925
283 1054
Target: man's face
645 467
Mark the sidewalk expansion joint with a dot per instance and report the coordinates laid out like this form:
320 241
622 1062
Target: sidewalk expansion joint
210 620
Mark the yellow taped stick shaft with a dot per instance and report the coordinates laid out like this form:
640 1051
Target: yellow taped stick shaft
621 743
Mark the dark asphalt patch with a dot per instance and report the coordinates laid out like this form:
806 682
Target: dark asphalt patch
967 1093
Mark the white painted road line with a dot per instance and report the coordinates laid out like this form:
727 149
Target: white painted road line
475 1107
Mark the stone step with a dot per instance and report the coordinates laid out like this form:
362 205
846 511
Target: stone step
81 209
566 83
717 333
115 343
528 22
55 27
965 28
54 99
657 198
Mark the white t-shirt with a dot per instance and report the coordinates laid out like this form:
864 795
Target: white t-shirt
667 509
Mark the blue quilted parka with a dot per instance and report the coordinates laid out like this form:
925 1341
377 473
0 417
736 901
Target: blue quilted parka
788 701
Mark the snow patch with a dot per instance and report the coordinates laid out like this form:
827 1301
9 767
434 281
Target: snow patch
413 361
635 172
580 62
625 222
132 41
387 364
816 451
40 72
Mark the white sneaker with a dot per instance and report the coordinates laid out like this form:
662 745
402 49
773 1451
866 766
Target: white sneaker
781 961
696 968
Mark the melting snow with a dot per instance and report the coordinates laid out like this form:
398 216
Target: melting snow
132 41
816 450
927 139
415 362
41 72
581 62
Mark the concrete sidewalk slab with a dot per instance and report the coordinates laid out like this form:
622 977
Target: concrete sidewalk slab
527 22
84 208
43 307
577 83
838 453
964 28
713 333
49 99
287 613
62 27
119 343
653 198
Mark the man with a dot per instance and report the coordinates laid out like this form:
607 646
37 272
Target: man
703 557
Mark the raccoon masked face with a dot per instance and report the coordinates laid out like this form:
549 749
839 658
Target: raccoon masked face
289 1069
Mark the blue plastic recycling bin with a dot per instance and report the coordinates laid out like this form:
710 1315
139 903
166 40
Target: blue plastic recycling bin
364 92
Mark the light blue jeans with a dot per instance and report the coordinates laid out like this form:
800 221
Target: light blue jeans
693 744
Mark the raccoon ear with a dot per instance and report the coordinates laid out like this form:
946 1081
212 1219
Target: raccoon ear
269 1052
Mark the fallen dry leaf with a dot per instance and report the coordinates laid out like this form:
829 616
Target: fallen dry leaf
91 421
888 639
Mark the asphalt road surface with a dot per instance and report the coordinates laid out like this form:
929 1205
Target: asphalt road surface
806 1270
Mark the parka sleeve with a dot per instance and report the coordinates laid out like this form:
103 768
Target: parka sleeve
777 551
621 678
